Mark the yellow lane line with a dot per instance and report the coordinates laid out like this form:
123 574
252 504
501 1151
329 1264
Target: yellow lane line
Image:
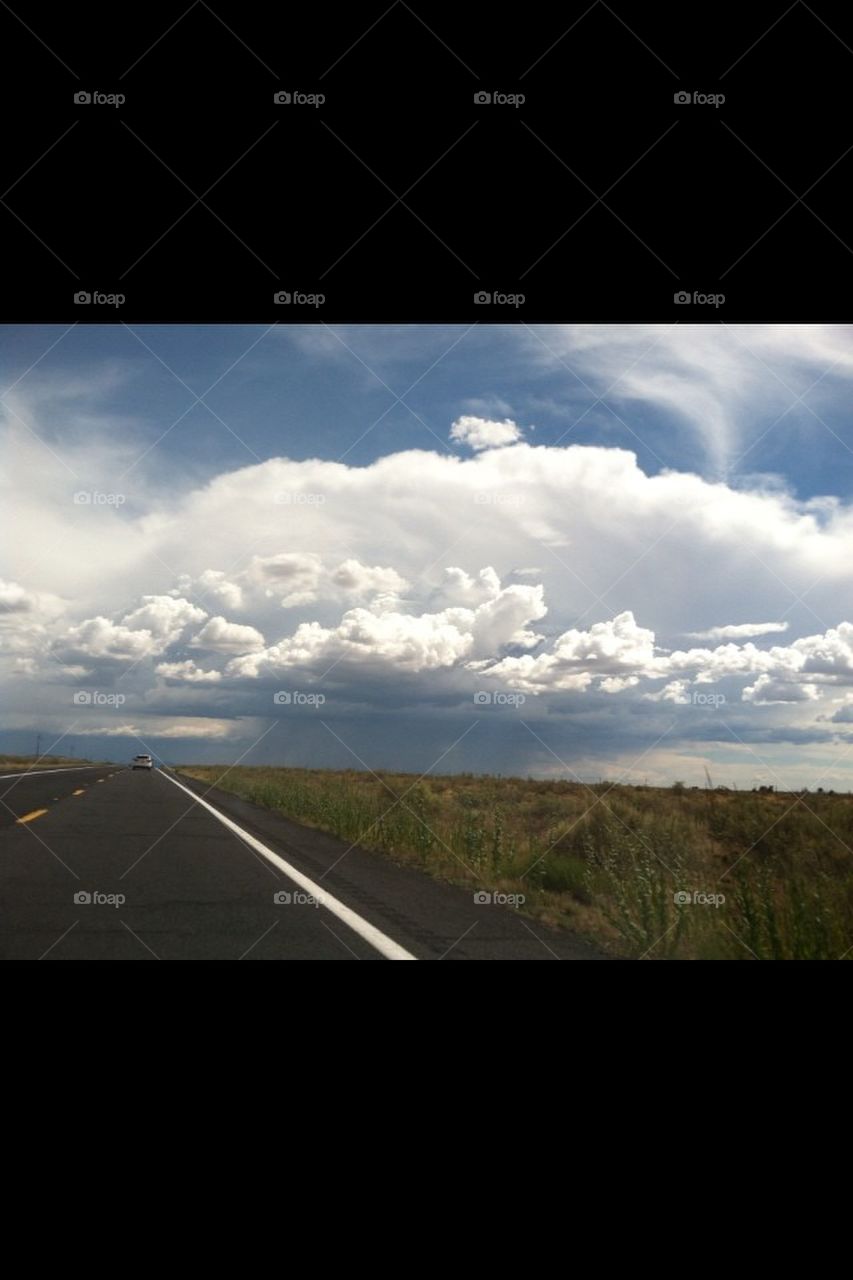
78 793
28 817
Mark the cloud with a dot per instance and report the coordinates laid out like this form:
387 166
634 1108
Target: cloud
401 513
484 433
103 639
14 599
221 636
844 714
460 588
738 631
675 691
187 671
155 728
358 579
305 577
620 648
719 381
615 684
212 583
365 572
295 574
616 648
25 617
403 641
408 589
163 617
149 630
766 691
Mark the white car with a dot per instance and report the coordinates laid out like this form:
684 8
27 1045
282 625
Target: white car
142 762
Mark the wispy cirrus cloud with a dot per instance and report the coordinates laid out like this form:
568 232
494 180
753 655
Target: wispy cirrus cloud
725 383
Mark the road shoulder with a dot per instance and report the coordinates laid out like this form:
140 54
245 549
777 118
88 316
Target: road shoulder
432 919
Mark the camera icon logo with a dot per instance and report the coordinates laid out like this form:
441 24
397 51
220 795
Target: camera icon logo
482 697
82 698
681 97
283 698
282 97
681 297
482 898
282 898
282 299
481 98
482 298
82 898
82 298
681 899
82 97
83 499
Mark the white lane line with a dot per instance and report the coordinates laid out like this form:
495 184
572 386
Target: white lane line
380 941
37 773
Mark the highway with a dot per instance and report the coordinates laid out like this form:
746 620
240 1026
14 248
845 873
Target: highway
22 794
106 863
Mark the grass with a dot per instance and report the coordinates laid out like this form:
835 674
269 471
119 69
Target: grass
607 860
14 764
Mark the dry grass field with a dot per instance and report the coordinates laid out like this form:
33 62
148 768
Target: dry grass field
658 873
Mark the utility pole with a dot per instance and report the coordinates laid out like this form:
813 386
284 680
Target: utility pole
38 746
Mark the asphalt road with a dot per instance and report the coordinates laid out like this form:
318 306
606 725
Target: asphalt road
109 863
24 793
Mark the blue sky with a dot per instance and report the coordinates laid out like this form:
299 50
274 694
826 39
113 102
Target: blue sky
634 539
311 391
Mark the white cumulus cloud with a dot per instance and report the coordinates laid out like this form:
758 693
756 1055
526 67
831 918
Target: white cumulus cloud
484 433
221 636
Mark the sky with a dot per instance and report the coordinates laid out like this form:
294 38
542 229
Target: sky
593 551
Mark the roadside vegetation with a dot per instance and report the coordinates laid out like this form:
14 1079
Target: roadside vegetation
642 871
13 764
